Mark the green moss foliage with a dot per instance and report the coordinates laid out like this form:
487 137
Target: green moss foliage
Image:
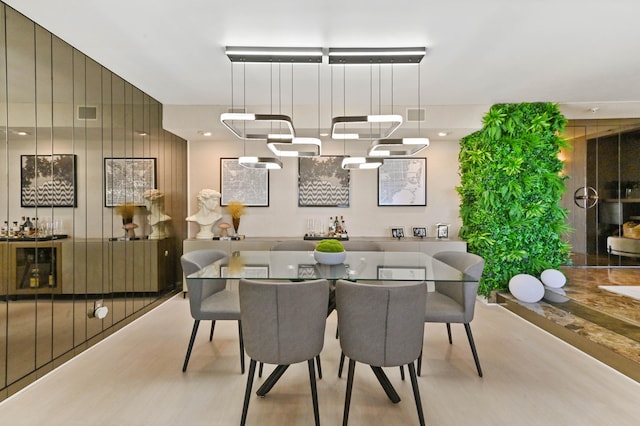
330 246
510 192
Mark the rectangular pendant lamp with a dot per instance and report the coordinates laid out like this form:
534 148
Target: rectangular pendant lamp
253 132
368 56
310 55
397 147
296 147
260 162
339 126
361 163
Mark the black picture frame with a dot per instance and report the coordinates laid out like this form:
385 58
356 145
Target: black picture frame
48 180
322 182
238 183
126 179
402 182
397 232
419 231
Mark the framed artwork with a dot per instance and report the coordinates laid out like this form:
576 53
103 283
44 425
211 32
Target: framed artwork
248 271
401 273
126 179
48 180
419 232
237 183
442 231
397 232
322 182
402 182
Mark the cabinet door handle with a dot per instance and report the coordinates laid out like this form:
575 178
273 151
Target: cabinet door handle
586 197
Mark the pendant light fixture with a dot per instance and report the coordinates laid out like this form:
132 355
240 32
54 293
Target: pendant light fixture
404 147
284 143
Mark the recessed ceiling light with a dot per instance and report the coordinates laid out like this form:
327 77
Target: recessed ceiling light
22 133
204 133
443 134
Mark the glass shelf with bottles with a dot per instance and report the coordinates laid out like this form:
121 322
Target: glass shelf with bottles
32 230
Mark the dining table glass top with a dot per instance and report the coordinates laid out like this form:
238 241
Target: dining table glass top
358 265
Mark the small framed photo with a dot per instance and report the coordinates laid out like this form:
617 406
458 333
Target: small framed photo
397 232
442 231
419 231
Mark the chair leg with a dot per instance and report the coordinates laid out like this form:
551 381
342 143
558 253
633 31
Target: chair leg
213 326
241 347
347 396
194 331
416 392
314 392
341 364
420 363
260 369
449 333
467 328
402 372
247 392
319 367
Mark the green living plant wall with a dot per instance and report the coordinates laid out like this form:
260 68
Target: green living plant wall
510 192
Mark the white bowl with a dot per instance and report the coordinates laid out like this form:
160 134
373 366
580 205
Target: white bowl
326 258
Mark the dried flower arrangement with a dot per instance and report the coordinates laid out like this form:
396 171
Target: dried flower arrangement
236 209
126 210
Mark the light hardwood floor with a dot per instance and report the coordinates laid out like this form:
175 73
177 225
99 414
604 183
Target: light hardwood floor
134 378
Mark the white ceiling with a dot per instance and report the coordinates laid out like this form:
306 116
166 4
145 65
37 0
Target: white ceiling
579 53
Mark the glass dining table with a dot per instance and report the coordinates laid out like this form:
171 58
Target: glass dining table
370 266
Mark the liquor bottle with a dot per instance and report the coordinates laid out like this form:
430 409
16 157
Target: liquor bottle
34 280
27 227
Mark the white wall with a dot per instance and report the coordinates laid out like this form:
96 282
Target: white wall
363 217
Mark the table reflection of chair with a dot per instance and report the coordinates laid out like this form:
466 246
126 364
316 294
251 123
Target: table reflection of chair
382 326
454 302
209 299
294 245
283 323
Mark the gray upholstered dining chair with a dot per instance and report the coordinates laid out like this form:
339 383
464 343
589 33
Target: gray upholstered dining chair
382 326
454 302
294 245
209 299
283 323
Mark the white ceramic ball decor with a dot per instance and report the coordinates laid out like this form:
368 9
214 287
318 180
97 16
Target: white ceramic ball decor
327 258
553 278
555 295
526 288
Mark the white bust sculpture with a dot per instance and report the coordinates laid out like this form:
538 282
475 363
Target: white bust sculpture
154 202
208 214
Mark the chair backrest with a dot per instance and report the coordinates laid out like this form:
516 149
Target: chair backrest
381 324
200 289
283 322
463 292
294 245
362 246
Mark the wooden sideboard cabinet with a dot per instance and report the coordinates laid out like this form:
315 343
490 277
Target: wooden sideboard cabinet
30 267
100 266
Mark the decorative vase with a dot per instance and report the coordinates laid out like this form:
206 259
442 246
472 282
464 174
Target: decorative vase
129 228
329 258
236 223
